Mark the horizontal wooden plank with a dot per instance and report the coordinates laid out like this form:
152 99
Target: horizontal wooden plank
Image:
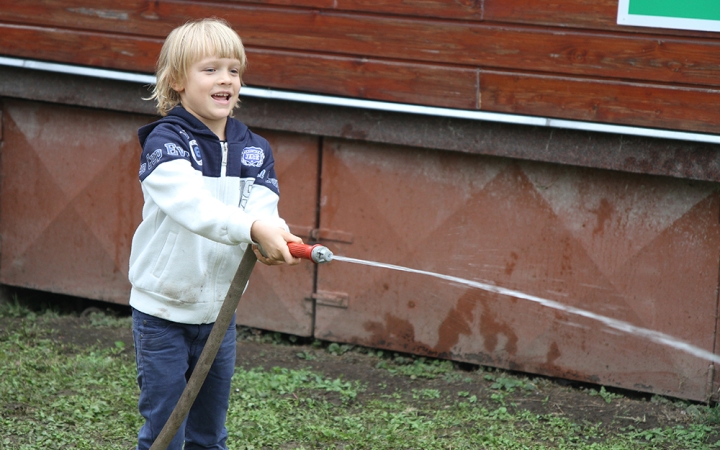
444 86
77 12
597 14
407 82
639 104
458 9
131 17
571 52
87 48
588 14
319 4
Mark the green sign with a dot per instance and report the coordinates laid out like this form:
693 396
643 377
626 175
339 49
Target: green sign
678 14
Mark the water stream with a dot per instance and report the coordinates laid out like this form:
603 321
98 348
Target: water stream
625 327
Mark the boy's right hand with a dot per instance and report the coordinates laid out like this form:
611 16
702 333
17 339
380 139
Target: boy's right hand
273 241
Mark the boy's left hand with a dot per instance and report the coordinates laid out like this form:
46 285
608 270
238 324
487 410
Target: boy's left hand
264 259
274 242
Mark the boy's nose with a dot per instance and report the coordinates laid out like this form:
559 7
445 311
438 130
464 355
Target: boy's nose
224 78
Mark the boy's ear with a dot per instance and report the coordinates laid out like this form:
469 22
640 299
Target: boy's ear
177 86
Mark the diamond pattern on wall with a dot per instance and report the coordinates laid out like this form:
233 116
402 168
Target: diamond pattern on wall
636 248
71 199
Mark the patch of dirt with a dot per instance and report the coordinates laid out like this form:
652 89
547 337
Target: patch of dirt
539 395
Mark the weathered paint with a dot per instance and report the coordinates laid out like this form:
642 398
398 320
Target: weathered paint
70 198
641 249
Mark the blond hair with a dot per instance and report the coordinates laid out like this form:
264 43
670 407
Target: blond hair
186 45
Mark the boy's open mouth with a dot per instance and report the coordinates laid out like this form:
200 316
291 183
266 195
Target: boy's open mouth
223 96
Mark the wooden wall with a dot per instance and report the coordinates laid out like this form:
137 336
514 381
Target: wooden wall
565 59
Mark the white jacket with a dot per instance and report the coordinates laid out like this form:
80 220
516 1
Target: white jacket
201 199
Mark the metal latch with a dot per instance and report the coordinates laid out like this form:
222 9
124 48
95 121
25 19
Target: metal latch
321 234
334 299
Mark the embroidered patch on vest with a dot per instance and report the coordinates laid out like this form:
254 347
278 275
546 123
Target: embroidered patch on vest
195 151
253 157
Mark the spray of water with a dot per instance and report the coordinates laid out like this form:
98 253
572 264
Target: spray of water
651 335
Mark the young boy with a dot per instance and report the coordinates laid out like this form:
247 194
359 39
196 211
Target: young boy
210 190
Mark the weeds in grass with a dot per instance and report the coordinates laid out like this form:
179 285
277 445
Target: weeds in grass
604 394
14 309
417 368
306 355
510 384
99 319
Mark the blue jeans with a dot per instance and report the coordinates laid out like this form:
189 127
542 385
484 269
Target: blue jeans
166 353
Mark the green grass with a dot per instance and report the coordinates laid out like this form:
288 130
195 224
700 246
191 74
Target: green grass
277 407
55 396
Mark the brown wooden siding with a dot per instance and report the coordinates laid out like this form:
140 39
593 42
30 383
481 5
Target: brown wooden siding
564 59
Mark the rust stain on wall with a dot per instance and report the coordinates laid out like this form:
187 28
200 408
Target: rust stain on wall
458 321
394 329
491 328
552 355
604 212
510 265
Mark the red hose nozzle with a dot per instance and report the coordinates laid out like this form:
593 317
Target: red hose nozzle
316 253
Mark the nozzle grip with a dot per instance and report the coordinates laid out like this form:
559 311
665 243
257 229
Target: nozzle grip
303 251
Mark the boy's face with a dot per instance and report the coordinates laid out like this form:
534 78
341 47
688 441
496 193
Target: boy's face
211 90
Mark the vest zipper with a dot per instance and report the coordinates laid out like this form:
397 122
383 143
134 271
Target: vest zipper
218 255
223 168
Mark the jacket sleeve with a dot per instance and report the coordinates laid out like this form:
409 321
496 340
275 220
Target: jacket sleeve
263 204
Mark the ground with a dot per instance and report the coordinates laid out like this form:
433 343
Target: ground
255 348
